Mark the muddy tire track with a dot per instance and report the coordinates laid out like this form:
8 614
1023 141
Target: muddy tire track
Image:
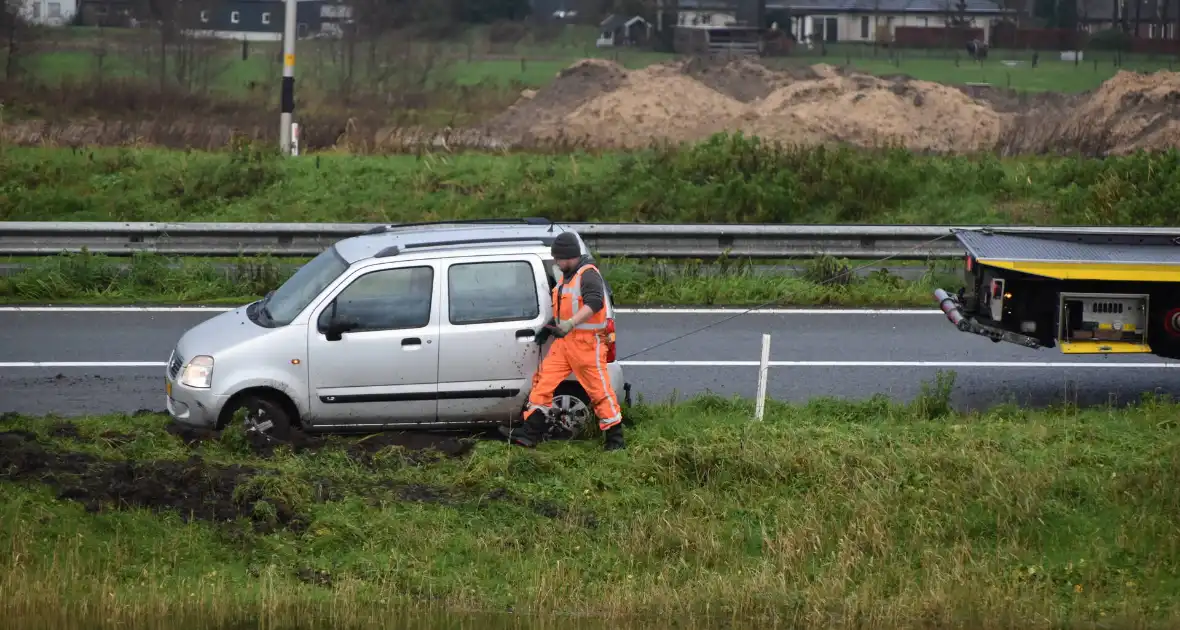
201 490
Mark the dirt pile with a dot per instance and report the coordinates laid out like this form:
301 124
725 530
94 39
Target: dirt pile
822 104
1133 111
690 100
545 109
867 111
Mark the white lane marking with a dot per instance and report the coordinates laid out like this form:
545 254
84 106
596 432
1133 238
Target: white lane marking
81 364
778 311
116 309
890 364
621 311
850 364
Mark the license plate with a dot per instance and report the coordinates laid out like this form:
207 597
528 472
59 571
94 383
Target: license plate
168 388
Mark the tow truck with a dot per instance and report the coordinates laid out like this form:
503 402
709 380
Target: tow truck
1082 290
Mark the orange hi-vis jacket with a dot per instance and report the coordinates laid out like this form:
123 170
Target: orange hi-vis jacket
582 351
567 301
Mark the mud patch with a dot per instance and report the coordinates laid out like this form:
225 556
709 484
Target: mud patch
64 430
193 489
416 447
268 499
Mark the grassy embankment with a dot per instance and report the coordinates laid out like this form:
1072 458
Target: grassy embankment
840 514
725 180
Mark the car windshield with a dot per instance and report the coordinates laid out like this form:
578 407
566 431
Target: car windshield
286 302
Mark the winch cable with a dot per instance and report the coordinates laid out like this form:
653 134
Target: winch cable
775 301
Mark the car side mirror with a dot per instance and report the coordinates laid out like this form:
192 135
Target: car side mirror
337 328
330 326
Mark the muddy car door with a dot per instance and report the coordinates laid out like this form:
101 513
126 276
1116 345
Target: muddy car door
372 348
493 306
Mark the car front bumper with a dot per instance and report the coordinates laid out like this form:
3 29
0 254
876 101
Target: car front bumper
192 406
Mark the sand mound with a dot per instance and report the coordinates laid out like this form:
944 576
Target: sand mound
1133 111
541 112
867 111
602 104
739 79
650 106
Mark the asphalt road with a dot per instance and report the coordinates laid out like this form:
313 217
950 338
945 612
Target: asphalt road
873 352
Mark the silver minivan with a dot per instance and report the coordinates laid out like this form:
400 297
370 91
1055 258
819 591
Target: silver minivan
426 325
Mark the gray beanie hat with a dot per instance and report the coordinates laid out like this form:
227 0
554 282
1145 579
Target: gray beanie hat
566 246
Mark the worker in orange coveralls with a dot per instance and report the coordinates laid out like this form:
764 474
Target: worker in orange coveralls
579 323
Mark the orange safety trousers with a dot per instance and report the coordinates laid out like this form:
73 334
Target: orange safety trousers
584 354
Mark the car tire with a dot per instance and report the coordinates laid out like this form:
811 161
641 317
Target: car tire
572 398
264 415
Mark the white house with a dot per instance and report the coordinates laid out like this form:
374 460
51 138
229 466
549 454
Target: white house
48 12
850 20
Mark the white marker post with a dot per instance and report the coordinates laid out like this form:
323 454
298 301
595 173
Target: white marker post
763 370
287 98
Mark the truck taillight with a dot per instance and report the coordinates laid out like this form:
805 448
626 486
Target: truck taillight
610 341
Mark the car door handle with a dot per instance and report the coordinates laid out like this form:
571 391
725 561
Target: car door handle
411 343
527 334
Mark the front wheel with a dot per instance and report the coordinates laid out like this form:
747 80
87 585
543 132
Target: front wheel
264 417
573 416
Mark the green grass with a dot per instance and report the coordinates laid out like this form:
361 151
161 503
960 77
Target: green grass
452 63
1050 75
833 514
726 179
533 62
86 278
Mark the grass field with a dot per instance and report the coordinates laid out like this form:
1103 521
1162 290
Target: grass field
474 60
1050 75
840 514
728 179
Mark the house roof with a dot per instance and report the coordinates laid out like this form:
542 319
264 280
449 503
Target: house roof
614 21
859 6
1104 10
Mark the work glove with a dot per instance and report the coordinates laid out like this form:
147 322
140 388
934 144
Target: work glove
564 327
545 332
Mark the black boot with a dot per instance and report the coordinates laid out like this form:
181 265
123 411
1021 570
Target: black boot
614 438
529 434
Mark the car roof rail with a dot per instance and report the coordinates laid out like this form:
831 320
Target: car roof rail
544 240
394 250
509 220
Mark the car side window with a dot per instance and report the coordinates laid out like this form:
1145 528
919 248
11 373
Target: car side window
390 299
487 292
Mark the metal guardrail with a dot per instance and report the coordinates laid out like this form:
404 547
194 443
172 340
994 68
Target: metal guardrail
763 241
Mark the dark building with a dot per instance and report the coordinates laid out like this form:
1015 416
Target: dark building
262 20
112 13
255 20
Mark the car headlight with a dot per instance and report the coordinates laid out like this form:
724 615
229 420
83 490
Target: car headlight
198 373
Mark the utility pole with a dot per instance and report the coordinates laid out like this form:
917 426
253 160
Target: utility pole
288 93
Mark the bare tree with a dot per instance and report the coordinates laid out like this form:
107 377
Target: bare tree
18 37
